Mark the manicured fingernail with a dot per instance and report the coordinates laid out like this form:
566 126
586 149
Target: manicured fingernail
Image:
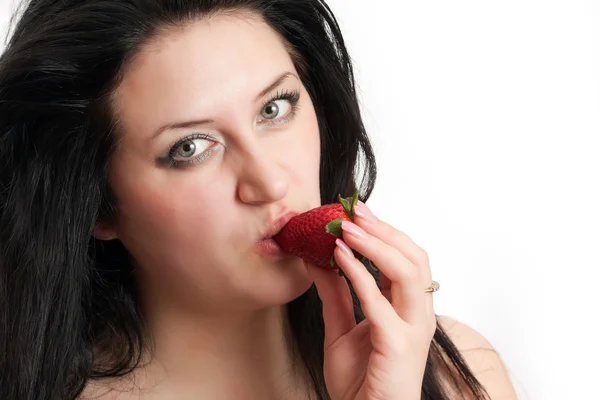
340 243
363 211
354 230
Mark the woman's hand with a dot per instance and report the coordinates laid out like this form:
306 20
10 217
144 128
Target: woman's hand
384 356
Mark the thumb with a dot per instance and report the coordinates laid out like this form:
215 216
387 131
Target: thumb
338 310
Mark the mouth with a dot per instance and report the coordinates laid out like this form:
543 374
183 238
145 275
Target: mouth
277 225
267 246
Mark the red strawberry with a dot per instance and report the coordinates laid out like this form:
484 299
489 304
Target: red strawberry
312 234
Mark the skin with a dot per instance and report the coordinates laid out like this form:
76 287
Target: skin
216 315
220 308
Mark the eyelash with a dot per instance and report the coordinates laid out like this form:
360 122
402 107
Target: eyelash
292 96
170 160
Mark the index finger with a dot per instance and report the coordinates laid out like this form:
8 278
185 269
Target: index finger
338 309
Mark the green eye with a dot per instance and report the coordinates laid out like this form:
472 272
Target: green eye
281 108
277 108
192 149
270 111
187 149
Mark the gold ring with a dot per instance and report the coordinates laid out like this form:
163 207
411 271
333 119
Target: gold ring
434 287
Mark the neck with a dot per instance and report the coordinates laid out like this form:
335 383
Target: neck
243 354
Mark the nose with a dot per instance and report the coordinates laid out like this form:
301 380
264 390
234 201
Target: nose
261 179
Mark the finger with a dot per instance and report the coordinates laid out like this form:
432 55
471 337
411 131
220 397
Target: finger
386 286
401 241
386 289
376 307
415 254
395 238
407 291
430 312
338 310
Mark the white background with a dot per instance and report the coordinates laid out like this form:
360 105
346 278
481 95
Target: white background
485 117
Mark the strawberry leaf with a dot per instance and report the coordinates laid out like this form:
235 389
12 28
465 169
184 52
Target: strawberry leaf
373 266
355 199
370 263
334 228
347 207
340 272
349 203
332 262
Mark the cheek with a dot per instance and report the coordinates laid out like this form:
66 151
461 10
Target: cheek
161 218
303 156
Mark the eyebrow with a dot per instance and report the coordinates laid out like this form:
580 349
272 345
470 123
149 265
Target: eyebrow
187 124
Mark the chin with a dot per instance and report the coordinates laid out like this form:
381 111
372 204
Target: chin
287 283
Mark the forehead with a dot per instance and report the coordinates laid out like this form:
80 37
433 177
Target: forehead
196 69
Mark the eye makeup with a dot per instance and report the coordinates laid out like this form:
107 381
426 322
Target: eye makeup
191 143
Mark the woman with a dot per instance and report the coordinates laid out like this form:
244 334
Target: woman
148 149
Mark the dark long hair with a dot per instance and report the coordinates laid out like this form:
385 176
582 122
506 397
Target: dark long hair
62 292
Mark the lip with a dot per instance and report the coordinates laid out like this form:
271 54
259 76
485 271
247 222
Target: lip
267 246
276 226
270 248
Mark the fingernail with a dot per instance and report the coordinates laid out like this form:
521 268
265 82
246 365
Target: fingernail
354 230
340 243
363 211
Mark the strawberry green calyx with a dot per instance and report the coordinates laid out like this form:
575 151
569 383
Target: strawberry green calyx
355 199
332 264
349 203
347 207
370 263
334 228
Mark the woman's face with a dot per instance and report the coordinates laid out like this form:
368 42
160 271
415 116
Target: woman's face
219 139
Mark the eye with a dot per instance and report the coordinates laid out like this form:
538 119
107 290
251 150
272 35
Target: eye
274 108
189 148
192 149
281 108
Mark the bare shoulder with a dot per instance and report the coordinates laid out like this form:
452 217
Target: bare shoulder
481 357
